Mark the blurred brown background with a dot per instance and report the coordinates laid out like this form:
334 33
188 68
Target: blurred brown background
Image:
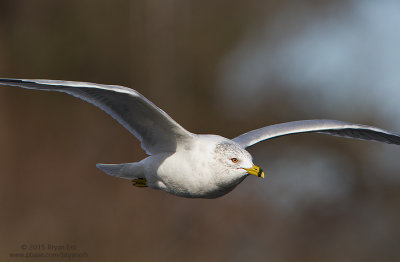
222 67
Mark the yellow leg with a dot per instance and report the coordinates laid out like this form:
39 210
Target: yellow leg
139 182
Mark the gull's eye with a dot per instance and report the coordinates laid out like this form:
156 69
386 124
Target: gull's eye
234 160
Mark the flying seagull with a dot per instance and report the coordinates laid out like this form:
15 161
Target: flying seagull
180 162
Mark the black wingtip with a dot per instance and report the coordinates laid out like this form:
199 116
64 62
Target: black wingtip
10 80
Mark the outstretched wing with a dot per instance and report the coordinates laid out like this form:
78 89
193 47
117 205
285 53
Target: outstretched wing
156 130
329 127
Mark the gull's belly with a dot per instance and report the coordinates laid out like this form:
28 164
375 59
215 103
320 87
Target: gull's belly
185 176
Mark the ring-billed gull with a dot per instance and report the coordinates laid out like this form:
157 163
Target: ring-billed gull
180 162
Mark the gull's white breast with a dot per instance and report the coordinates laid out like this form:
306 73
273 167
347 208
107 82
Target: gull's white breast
191 173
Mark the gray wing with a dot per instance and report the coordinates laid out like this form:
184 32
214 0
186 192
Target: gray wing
329 127
157 131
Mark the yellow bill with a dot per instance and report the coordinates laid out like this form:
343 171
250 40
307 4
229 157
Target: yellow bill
255 170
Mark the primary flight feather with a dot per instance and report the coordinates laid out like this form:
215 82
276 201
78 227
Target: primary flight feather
180 162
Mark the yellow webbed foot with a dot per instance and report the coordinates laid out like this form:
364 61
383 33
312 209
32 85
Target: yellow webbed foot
139 182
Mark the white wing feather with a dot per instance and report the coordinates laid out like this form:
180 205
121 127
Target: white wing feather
156 130
330 127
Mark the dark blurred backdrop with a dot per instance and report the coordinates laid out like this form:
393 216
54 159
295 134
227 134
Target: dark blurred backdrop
220 67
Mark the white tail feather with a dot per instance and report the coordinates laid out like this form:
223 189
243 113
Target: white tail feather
127 171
